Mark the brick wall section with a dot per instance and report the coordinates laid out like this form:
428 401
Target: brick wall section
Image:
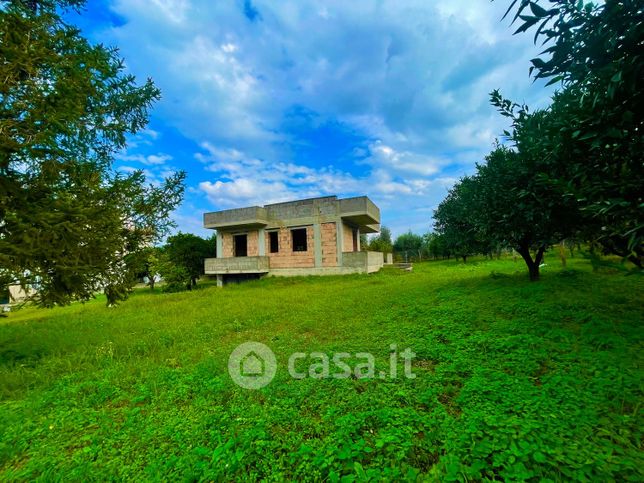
286 257
252 247
329 245
227 244
347 238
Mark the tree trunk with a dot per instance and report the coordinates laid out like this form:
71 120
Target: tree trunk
634 259
562 252
533 265
464 258
151 282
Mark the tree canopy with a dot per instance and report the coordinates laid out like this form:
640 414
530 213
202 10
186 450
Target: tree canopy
185 254
68 219
574 168
382 241
592 134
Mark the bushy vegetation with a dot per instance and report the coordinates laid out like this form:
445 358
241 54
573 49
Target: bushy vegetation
178 263
515 381
572 170
381 242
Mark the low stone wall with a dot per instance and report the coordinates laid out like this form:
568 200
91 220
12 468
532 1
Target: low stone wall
363 261
375 261
304 272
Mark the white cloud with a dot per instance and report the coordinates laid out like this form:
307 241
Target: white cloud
245 181
412 77
403 162
148 160
411 69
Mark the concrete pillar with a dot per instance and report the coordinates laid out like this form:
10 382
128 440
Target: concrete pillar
338 238
220 280
261 242
358 235
220 246
317 244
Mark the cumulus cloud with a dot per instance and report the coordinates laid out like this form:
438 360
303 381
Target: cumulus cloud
414 68
410 77
403 162
246 180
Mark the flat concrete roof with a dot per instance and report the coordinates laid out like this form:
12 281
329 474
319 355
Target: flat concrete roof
358 210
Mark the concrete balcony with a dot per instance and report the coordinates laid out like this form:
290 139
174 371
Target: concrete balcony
367 262
222 266
362 212
251 217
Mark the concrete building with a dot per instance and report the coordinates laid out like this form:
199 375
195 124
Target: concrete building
317 236
13 294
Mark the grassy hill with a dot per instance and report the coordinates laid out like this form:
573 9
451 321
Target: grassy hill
514 380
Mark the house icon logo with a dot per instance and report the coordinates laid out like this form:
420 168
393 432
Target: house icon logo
252 365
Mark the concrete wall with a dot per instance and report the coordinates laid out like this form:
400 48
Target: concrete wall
375 261
359 204
236 216
363 261
302 208
252 264
357 260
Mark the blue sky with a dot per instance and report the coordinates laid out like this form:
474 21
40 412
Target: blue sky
271 101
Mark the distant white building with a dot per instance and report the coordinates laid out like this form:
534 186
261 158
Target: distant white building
14 294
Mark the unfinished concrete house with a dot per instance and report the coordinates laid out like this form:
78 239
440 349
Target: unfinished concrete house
318 236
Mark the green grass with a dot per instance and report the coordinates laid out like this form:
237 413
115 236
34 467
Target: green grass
515 380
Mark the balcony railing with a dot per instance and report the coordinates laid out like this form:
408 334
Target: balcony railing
221 266
364 261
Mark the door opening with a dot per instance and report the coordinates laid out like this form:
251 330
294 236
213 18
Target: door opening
240 243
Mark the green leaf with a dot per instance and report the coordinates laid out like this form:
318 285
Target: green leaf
528 22
554 80
538 10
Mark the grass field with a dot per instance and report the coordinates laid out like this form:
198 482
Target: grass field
515 380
